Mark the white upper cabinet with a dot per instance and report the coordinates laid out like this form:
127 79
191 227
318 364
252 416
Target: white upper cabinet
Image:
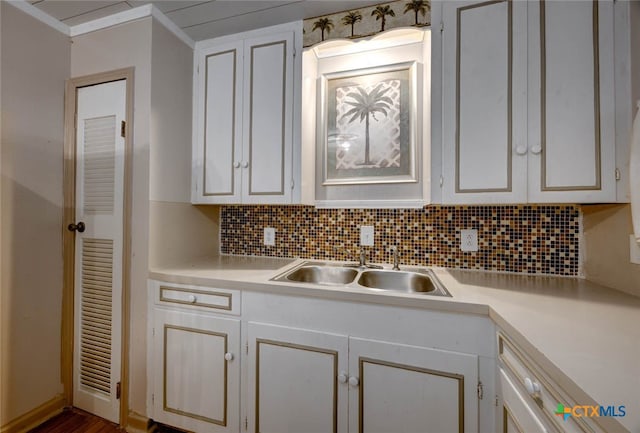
246 139
528 108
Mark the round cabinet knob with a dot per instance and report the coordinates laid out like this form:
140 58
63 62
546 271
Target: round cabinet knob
342 377
531 386
245 164
228 356
353 381
536 149
192 299
236 164
521 150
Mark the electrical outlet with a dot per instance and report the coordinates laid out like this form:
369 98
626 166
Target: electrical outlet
269 236
469 240
366 236
634 250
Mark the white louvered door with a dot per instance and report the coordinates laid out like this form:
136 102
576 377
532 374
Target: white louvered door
98 262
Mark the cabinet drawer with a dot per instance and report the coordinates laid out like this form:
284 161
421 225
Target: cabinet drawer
210 299
546 395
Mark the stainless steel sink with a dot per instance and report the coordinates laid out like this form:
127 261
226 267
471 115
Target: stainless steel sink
403 281
321 274
422 281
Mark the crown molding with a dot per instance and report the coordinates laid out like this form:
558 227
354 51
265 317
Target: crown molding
41 16
133 14
111 20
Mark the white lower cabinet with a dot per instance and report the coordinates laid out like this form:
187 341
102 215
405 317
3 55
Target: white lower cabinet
293 380
303 381
531 399
196 377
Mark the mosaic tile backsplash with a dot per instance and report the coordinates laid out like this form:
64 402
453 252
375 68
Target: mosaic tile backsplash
527 239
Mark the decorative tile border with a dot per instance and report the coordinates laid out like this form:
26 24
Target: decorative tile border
527 239
366 21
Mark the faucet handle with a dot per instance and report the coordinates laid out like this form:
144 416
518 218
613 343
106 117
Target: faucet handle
396 258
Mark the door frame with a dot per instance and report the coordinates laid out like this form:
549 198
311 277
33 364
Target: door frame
68 238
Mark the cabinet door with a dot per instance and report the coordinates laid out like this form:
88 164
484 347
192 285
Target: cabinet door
484 101
268 115
518 416
217 152
293 380
411 389
195 387
571 101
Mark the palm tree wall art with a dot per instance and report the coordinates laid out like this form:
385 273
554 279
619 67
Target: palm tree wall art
381 12
417 7
365 106
367 21
351 19
368 125
324 24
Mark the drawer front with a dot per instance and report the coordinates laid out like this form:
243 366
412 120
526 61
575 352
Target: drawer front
518 415
539 390
216 300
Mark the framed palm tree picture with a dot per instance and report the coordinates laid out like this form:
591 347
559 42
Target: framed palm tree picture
367 125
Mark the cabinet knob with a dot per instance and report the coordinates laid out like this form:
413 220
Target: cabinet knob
536 149
236 164
192 299
521 150
342 377
245 164
353 381
531 386
228 356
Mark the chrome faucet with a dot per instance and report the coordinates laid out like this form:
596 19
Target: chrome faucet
362 263
396 258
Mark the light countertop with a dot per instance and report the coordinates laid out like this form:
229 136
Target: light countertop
585 336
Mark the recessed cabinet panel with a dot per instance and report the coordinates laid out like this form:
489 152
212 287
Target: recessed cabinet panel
222 117
283 369
411 389
293 380
268 103
484 97
196 372
183 374
429 399
484 85
570 90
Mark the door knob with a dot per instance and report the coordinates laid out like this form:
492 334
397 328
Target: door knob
236 164
76 227
536 149
245 164
228 356
353 381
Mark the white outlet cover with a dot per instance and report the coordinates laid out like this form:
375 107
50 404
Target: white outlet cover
469 240
269 236
634 250
366 236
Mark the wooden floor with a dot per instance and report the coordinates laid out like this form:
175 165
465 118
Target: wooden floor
75 420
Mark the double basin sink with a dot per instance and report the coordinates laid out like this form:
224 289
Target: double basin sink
419 281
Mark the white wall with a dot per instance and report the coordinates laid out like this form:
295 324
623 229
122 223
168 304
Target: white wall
113 48
178 230
35 64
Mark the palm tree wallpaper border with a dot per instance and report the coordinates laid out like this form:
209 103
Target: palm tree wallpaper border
369 126
368 21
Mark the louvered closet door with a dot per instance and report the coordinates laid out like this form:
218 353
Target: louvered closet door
98 263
